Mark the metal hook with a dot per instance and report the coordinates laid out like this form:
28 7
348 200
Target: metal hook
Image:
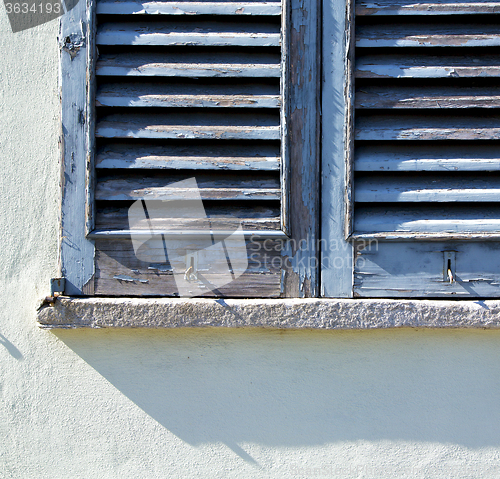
449 266
450 274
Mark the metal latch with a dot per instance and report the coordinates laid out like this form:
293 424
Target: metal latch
191 273
449 266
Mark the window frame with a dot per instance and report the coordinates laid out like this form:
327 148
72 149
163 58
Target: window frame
77 56
337 252
317 144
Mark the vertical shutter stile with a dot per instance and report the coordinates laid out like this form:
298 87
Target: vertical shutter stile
187 89
427 157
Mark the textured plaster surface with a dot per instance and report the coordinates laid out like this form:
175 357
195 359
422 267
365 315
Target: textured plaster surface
272 313
209 402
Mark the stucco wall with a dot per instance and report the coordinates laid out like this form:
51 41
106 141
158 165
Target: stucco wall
209 403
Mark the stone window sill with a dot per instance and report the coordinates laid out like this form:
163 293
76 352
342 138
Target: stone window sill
70 312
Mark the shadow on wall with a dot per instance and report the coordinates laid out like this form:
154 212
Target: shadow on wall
305 388
13 351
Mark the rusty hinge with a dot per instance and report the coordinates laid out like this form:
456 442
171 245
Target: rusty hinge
56 289
57 286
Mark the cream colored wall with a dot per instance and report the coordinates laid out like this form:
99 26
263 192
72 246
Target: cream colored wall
209 404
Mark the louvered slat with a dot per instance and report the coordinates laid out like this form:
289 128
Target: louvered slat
463 65
427 35
426 157
393 189
426 97
427 127
222 126
190 34
427 110
253 95
260 216
410 7
111 7
451 219
190 64
213 187
221 156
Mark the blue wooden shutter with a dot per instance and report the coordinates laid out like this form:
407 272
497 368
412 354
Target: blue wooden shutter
197 89
426 180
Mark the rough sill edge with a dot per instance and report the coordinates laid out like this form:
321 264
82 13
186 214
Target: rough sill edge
269 313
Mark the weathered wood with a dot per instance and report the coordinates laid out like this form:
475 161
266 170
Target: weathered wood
91 121
198 101
336 253
76 46
123 114
200 33
223 126
188 235
398 188
130 7
259 280
223 217
426 97
428 66
401 246
428 157
188 64
119 272
153 259
215 187
427 35
247 285
403 236
230 132
300 270
434 7
390 269
432 219
349 108
425 127
252 95
206 156
285 111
